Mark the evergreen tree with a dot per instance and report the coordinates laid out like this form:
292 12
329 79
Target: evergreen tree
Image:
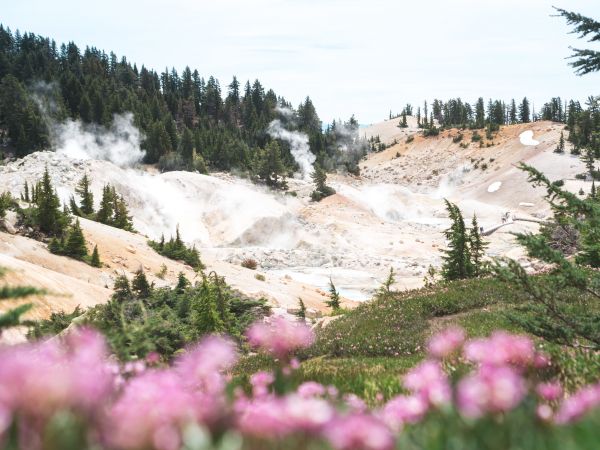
25 196
75 244
187 147
270 166
87 198
74 207
122 219
49 216
457 258
319 177
563 304
334 297
585 60
560 148
122 289
182 283
106 211
140 286
524 111
477 248
301 314
95 259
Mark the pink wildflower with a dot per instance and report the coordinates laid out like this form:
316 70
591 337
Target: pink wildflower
311 389
549 391
446 343
260 382
491 389
359 431
501 348
404 409
579 404
281 337
430 382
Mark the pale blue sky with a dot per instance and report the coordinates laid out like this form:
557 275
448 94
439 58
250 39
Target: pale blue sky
351 56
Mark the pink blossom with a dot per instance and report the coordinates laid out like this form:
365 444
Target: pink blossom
260 382
549 391
404 409
359 432
430 382
152 410
311 389
355 403
579 404
445 343
491 389
281 337
544 412
541 360
262 417
202 366
501 348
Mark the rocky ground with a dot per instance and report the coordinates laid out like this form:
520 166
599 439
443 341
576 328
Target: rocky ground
392 216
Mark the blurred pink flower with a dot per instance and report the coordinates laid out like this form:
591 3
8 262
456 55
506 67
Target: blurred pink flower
501 348
202 366
491 389
430 382
311 389
549 391
260 382
574 407
281 337
359 432
404 409
445 343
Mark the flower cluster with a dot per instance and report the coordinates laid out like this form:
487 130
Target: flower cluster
141 405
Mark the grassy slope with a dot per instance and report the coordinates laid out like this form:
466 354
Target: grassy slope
367 349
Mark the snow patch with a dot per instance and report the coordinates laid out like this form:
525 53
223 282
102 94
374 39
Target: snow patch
526 138
494 186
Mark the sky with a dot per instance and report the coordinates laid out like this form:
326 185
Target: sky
350 56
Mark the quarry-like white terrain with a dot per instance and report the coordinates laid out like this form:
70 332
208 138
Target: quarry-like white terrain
392 216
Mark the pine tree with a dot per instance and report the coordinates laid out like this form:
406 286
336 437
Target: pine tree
334 297
301 313
524 112
95 259
560 148
74 207
25 196
457 261
122 289
75 245
106 211
182 283
476 247
386 287
140 286
50 218
122 219
270 166
187 147
319 177
561 305
87 198
586 60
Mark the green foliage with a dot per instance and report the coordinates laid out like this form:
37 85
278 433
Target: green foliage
113 210
176 249
398 324
269 166
12 317
586 60
87 198
334 297
564 306
319 177
140 286
301 313
457 258
6 203
165 320
95 258
74 245
57 322
47 213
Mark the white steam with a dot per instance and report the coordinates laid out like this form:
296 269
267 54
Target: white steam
298 146
119 144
